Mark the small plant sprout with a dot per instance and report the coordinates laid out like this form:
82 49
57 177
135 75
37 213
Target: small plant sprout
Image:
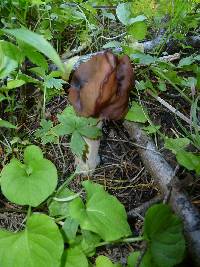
100 88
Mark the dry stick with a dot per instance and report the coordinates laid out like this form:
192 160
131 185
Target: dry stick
163 173
141 210
173 110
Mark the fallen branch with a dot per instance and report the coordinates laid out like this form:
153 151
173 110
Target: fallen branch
163 174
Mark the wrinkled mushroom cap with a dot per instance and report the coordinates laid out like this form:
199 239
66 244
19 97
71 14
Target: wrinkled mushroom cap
100 87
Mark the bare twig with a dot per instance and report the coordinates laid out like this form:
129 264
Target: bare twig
141 210
173 110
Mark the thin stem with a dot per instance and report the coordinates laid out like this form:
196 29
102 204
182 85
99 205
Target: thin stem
125 240
44 102
28 213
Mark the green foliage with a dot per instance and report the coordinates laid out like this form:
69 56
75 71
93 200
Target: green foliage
137 113
73 258
187 159
100 213
7 124
103 261
70 124
84 226
29 183
39 244
38 42
24 66
165 239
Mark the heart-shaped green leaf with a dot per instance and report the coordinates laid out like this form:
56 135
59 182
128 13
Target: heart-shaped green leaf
30 183
166 244
101 213
39 245
74 257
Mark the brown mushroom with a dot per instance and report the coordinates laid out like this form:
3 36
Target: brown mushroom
100 87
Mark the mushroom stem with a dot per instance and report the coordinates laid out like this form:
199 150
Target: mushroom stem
89 165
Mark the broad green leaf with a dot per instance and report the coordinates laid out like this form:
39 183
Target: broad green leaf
11 51
186 61
143 58
7 124
138 30
30 183
103 261
112 44
123 13
35 57
15 83
77 144
189 160
59 208
137 113
32 153
39 245
101 213
7 65
74 257
177 144
146 260
137 19
89 242
38 42
108 15
70 228
166 244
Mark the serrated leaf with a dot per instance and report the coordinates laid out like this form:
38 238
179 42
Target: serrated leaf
77 144
54 83
91 132
74 257
177 144
37 41
166 244
101 213
39 245
30 183
47 133
137 113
